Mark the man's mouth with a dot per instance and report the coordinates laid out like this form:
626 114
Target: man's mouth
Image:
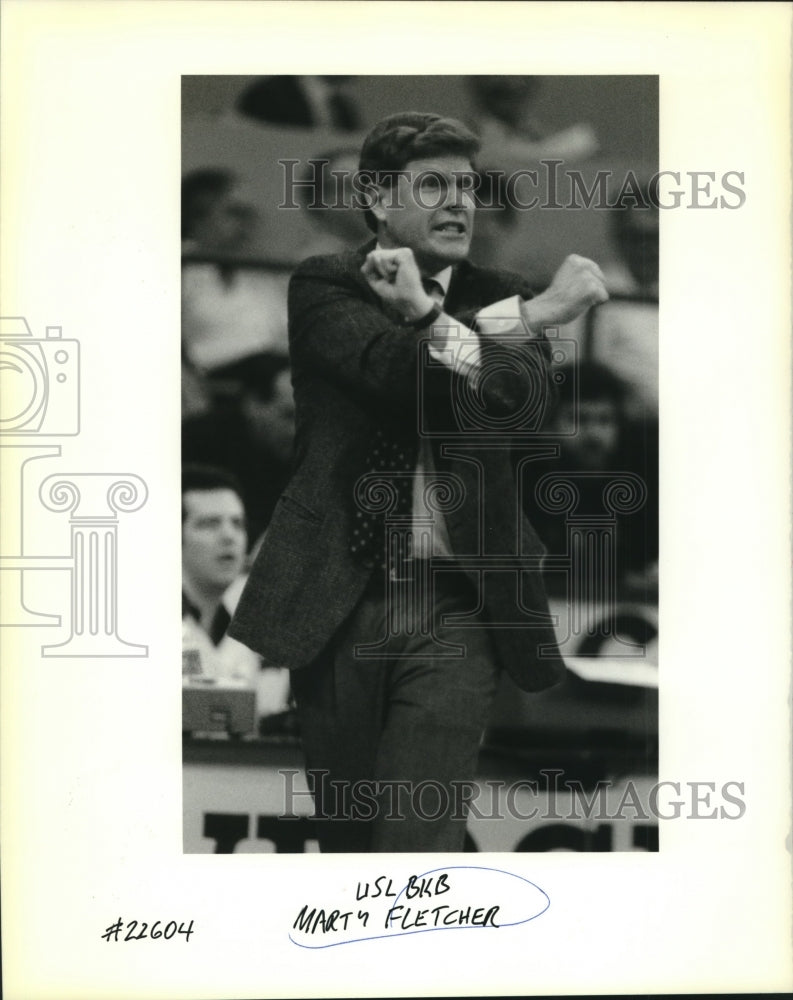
453 228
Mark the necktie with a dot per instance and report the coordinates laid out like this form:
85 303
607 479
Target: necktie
386 493
392 462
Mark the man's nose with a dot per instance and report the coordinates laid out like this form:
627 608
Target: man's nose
451 196
230 530
457 199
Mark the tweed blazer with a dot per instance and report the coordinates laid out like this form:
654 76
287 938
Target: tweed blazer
356 369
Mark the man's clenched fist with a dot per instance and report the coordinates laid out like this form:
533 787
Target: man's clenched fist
577 285
395 277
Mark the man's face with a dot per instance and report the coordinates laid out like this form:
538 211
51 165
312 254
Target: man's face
594 445
229 225
213 538
430 210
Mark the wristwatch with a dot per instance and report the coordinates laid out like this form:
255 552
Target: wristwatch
426 320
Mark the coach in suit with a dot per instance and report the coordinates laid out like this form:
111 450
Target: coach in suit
384 345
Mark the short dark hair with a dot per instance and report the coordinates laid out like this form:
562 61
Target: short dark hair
203 478
411 135
201 189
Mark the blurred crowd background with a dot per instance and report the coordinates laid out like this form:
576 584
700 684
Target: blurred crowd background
239 245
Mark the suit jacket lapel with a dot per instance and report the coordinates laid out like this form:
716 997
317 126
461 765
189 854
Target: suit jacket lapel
462 297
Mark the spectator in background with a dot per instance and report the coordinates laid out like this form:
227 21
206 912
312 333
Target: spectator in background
512 139
635 229
217 217
214 541
624 335
319 101
338 226
510 130
596 443
232 306
249 433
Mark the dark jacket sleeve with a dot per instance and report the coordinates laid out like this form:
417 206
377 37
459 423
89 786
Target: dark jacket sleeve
344 335
336 332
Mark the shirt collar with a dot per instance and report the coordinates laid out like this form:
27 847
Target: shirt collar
443 278
189 610
220 621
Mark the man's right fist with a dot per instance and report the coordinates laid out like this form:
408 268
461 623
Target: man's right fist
577 285
395 277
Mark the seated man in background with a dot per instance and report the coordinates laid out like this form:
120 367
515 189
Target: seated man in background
218 216
509 127
513 138
214 541
250 432
625 336
233 303
635 226
597 444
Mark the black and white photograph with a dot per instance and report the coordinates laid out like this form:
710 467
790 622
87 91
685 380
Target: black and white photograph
417 376
420 462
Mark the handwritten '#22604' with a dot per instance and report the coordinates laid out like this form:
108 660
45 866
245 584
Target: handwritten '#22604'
171 929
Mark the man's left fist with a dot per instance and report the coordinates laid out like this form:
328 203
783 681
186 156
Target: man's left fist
577 285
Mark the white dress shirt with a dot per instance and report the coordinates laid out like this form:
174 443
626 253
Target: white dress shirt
463 354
